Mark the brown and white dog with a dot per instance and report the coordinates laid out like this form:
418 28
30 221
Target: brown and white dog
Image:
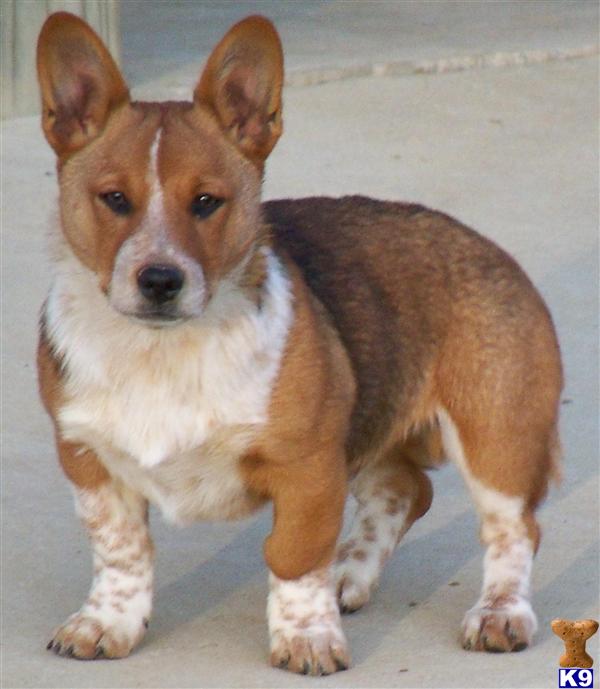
208 353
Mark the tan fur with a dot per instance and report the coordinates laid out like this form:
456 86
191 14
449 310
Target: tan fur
303 445
80 464
392 320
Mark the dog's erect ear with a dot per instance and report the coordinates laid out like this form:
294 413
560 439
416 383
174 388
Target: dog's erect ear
79 82
242 84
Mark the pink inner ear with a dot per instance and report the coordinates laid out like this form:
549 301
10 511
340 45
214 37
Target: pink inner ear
72 93
241 86
75 99
75 96
79 81
244 112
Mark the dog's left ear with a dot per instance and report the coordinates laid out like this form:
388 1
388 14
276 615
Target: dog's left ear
242 83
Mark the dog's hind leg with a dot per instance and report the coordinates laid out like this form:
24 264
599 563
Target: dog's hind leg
506 493
391 495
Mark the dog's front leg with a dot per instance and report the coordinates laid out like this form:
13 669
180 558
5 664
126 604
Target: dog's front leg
303 613
115 616
305 626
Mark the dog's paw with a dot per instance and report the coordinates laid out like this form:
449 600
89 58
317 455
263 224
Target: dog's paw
509 628
305 626
318 653
352 592
87 637
356 573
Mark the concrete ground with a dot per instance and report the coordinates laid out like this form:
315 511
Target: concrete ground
510 150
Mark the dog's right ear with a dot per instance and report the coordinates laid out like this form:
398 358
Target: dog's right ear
80 83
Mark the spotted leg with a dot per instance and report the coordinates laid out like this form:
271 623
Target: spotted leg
502 619
391 496
305 626
115 616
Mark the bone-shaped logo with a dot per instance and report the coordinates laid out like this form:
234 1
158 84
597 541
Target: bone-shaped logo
575 633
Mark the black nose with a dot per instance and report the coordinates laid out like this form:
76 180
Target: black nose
160 283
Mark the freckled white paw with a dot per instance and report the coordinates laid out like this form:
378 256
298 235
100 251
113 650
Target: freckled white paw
310 652
305 625
507 628
352 592
86 636
356 574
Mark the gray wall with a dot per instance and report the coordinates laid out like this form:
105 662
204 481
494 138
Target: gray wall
20 23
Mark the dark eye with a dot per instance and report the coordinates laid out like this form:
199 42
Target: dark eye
117 202
204 205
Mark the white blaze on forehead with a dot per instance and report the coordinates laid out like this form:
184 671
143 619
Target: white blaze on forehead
155 210
153 164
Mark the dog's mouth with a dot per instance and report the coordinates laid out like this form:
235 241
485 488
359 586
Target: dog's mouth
156 319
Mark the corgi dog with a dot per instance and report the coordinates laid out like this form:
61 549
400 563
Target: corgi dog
208 353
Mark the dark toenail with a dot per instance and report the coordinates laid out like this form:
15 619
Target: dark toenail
521 646
508 630
340 664
305 667
50 643
146 622
346 610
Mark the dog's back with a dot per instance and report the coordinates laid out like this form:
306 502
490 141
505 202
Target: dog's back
408 288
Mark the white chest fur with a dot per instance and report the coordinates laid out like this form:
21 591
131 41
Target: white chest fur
169 410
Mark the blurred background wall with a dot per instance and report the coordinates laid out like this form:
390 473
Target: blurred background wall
20 23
